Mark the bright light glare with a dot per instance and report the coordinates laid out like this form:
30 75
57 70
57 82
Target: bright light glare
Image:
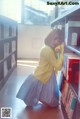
11 9
37 4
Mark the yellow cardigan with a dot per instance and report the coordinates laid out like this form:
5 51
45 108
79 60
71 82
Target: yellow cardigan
48 62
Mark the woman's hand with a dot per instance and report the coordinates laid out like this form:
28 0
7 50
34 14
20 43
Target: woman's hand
58 49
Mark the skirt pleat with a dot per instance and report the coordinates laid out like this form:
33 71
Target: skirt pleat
33 90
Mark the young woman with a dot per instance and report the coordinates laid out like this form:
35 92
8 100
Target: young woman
42 84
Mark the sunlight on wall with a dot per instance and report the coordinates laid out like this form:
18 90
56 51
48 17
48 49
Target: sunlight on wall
11 9
27 63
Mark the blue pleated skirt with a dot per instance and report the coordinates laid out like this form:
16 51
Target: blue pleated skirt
33 90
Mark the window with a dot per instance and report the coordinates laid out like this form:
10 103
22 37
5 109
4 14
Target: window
38 12
11 9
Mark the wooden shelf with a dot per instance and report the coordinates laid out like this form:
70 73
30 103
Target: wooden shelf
7 20
8 39
77 111
7 57
70 15
74 49
3 80
8 47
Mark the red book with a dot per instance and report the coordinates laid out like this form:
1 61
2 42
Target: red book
71 63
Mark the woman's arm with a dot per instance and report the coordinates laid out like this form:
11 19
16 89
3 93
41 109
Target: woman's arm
56 63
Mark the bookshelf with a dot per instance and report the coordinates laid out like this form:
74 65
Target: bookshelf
71 93
71 15
8 48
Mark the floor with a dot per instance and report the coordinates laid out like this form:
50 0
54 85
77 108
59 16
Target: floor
19 109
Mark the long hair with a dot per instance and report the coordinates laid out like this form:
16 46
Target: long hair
55 33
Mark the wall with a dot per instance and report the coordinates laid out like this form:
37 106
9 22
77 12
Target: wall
30 40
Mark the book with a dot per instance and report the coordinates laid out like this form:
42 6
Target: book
5 69
13 60
13 46
65 92
71 64
70 102
72 29
6 30
72 107
14 31
6 49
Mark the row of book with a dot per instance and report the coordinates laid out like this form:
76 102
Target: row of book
7 31
69 99
13 60
13 46
7 48
9 63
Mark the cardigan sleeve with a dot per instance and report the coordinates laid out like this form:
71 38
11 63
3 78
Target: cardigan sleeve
56 63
